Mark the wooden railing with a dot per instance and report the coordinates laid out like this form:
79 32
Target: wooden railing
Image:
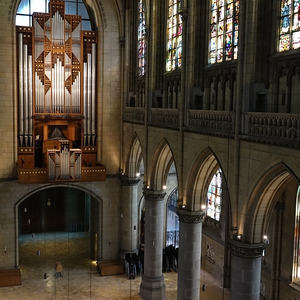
134 114
164 117
220 123
272 128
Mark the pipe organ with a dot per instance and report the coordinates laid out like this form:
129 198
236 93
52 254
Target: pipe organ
57 72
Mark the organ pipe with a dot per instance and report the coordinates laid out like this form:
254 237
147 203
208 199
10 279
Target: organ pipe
25 70
89 98
93 106
30 99
21 118
85 102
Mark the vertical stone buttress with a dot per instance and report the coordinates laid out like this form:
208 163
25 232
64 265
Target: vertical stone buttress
190 236
153 286
129 214
245 270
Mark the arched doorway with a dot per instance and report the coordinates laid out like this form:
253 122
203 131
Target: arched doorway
58 224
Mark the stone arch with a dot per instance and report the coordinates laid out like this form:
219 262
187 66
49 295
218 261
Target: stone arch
135 158
262 200
204 167
161 163
36 189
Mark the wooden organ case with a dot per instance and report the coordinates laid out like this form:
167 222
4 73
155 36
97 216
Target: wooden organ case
57 99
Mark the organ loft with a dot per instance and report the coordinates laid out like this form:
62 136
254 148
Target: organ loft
57 108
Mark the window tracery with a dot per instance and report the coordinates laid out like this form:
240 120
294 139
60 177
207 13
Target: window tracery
289 32
224 30
174 35
214 196
141 33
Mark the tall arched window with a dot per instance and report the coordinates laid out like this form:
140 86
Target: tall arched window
296 265
174 35
214 196
289 32
72 7
224 30
141 38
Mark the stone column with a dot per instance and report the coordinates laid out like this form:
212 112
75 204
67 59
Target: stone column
129 214
190 236
153 286
245 270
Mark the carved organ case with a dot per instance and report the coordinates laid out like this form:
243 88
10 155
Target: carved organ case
56 96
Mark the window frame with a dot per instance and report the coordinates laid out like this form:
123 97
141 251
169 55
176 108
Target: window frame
144 37
77 2
179 12
233 31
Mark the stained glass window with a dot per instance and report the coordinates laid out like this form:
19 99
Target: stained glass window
289 32
224 30
28 7
296 268
141 38
214 196
174 35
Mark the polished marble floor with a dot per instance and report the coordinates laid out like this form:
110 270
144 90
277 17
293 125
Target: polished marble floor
39 253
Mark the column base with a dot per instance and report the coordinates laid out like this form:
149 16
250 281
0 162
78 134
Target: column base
152 288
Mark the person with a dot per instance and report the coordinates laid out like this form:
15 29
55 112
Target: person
58 269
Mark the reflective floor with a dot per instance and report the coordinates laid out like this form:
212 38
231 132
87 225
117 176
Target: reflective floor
38 255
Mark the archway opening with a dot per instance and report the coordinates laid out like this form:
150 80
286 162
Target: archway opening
59 225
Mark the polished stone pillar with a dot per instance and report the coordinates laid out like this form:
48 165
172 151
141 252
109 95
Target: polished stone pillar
190 235
153 286
129 214
245 270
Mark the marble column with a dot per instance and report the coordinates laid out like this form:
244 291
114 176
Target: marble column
153 286
245 270
190 235
129 214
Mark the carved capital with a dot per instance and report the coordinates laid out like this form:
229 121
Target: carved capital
129 181
193 217
244 250
151 195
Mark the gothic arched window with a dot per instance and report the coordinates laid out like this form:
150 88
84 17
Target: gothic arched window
28 7
214 196
174 35
296 265
224 30
289 32
141 38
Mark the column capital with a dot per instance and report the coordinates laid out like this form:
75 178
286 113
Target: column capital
245 250
128 181
154 195
187 216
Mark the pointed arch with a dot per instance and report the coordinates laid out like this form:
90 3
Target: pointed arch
135 158
161 163
262 200
199 178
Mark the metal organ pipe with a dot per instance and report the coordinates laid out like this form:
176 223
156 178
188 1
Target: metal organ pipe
93 108
30 99
21 128
89 98
85 101
25 94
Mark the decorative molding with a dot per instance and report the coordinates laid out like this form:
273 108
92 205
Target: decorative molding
192 217
244 250
281 129
151 195
220 123
129 181
164 117
134 115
